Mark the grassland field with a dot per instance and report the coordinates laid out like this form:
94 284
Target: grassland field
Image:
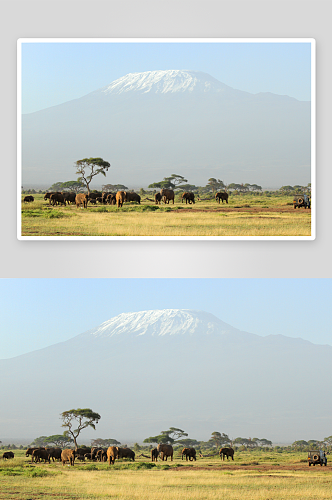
244 215
252 475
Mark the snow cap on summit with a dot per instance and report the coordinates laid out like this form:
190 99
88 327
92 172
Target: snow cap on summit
165 81
162 322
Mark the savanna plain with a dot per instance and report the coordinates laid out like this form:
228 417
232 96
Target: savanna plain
254 475
242 216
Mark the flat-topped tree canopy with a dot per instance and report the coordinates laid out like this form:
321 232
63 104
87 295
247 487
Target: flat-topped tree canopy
94 165
83 417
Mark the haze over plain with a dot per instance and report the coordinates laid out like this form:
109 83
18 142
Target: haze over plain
205 374
235 135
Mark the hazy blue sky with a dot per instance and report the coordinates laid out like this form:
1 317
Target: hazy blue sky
36 313
53 73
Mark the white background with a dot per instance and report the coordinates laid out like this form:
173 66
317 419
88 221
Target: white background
159 18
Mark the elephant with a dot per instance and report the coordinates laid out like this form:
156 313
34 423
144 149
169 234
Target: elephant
29 198
30 450
57 198
94 451
101 455
120 198
40 454
81 452
189 197
222 197
112 454
69 197
165 450
126 453
93 196
154 455
132 197
81 199
68 455
7 455
55 453
157 198
189 453
226 452
111 198
48 196
167 195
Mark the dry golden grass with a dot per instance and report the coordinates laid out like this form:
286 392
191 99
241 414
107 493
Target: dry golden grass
204 219
193 484
251 476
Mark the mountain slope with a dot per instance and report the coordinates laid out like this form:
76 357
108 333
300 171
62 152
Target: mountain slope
164 82
146 124
145 371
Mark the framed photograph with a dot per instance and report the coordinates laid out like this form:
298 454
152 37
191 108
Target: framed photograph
206 138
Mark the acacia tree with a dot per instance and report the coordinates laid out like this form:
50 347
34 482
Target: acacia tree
300 445
215 184
93 165
56 439
57 186
187 443
82 418
114 187
264 442
40 441
103 443
61 440
328 442
171 182
168 437
175 180
75 186
219 440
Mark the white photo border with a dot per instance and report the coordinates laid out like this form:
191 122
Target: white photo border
22 41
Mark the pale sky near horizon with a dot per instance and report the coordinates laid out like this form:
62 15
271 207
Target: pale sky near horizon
53 73
36 313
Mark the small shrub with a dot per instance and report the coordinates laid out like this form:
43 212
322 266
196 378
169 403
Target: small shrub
35 472
99 209
12 471
46 214
88 467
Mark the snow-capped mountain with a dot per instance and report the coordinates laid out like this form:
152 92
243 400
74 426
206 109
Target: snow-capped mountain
146 371
164 82
148 125
162 322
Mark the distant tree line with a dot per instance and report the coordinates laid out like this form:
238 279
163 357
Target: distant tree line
88 168
313 444
208 191
179 439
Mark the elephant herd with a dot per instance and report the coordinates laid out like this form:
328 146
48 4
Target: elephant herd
82 199
68 455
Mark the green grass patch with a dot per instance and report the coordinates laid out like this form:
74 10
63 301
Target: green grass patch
98 209
240 217
24 471
46 214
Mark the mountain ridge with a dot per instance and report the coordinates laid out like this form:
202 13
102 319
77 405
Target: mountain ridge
165 81
135 325
147 126
242 382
